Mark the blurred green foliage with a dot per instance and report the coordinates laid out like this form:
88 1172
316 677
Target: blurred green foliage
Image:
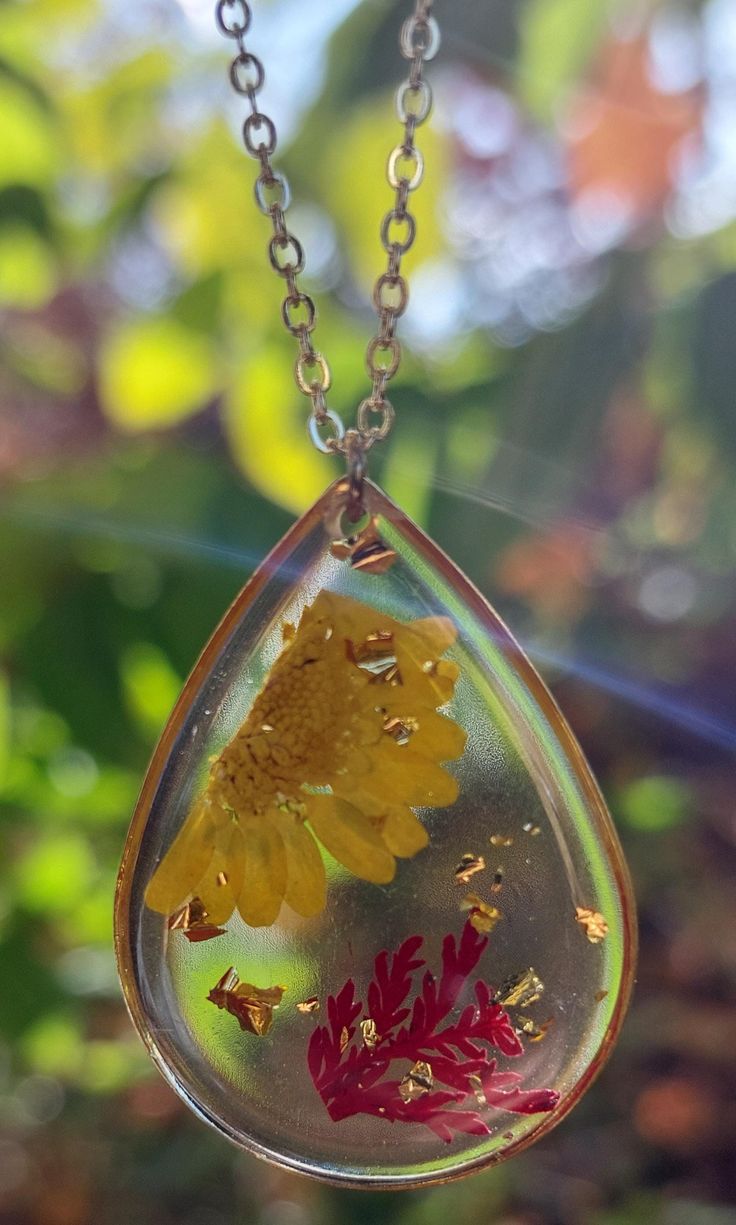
566 431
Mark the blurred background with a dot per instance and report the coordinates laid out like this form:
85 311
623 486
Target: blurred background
566 431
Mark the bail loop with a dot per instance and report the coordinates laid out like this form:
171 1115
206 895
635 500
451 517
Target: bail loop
355 454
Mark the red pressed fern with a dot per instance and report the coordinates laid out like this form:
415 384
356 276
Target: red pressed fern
351 1077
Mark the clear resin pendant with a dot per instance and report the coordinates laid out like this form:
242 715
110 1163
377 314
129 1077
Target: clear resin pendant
373 921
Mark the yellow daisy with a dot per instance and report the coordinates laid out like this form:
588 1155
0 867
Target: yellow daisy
341 743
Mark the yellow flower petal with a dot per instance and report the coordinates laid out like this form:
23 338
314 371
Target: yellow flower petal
409 778
335 726
438 737
219 887
355 620
264 879
184 864
402 832
351 838
436 634
306 888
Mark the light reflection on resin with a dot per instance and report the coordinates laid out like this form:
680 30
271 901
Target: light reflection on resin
372 921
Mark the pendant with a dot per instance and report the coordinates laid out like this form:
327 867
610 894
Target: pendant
373 922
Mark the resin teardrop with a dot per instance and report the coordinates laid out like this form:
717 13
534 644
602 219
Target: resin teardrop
373 922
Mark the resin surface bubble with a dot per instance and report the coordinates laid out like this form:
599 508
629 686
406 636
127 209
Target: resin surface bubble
373 921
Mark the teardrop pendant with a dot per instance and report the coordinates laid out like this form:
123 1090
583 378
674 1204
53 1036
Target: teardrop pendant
373 922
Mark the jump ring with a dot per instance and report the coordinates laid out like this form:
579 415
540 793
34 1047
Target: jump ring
316 362
239 28
414 157
337 432
379 344
255 121
393 218
375 432
291 303
288 242
420 36
421 91
266 182
245 61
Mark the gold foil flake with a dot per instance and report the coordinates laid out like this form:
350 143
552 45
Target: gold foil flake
400 730
193 921
593 923
532 1031
530 828
376 655
476 1084
501 840
521 990
365 550
344 1039
418 1081
482 917
497 881
369 1033
508 1135
252 1006
468 866
310 1005
600 996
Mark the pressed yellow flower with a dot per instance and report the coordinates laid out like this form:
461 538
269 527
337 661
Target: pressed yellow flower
342 742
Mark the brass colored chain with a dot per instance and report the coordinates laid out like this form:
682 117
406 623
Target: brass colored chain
419 42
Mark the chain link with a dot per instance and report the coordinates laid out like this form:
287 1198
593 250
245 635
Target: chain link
419 42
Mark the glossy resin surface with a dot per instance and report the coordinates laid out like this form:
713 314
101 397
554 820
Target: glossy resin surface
395 939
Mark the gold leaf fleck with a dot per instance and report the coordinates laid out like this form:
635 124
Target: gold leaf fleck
193 921
365 550
477 1086
252 1006
344 1039
400 730
599 996
468 866
483 917
418 1081
593 923
520 990
500 840
530 828
376 656
369 1033
497 881
310 1005
534 1032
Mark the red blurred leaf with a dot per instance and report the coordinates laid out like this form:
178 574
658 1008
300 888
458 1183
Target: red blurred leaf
626 132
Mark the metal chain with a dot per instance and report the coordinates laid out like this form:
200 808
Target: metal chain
419 42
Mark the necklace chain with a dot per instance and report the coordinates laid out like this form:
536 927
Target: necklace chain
419 41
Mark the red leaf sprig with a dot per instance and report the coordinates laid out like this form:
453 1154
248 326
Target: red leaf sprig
351 1077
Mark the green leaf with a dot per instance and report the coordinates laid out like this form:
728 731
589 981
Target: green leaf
154 373
655 803
557 40
265 418
27 138
150 684
27 268
55 874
